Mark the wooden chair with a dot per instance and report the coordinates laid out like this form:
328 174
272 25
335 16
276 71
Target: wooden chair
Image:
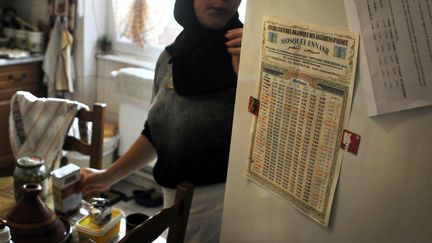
94 149
174 218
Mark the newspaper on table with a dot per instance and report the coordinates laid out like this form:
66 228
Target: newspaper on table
305 93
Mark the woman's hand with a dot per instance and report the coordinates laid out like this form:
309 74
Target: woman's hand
93 180
139 154
234 38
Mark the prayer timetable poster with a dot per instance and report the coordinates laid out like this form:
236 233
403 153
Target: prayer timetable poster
305 94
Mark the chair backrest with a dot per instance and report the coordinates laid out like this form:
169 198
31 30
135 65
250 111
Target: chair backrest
174 218
94 149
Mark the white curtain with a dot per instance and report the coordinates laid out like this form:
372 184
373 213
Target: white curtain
142 21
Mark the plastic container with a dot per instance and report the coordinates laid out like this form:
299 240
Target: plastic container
9 33
21 39
100 234
4 42
36 42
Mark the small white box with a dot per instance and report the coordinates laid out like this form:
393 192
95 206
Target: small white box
65 181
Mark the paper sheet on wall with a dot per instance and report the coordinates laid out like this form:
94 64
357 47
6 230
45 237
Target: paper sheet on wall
397 43
305 93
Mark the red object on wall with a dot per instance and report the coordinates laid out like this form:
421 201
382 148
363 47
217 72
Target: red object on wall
350 142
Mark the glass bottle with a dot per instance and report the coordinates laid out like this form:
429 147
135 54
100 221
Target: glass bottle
30 170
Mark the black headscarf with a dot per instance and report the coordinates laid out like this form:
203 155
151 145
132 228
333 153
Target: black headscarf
200 59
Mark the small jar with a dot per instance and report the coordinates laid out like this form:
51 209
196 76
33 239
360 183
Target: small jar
100 211
9 33
5 236
21 39
30 170
35 42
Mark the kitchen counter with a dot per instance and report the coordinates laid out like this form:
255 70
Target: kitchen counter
7 62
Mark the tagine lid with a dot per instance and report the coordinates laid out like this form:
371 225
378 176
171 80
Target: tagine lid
31 208
32 221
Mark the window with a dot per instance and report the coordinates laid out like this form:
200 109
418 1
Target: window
160 26
156 16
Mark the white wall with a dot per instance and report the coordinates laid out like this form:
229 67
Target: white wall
383 193
91 22
107 87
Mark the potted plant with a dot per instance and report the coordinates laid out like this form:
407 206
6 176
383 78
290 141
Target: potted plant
105 43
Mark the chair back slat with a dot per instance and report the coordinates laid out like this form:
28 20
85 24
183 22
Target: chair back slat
184 196
74 144
95 148
153 227
174 218
96 156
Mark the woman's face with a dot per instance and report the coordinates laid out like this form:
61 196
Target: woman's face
215 14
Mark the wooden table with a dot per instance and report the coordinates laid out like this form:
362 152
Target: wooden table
7 202
7 199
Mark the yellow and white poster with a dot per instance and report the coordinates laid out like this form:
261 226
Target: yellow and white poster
305 94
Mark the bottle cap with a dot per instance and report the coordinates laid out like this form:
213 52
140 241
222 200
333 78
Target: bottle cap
4 232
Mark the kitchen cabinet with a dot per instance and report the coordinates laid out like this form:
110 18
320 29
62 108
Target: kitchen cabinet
27 76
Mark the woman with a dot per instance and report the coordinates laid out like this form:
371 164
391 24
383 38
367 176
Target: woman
189 124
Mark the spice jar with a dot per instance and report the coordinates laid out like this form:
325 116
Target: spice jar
100 211
30 170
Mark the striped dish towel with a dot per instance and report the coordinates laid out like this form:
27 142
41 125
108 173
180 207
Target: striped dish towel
38 126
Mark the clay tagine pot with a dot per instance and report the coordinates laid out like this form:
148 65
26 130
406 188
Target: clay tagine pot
32 221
